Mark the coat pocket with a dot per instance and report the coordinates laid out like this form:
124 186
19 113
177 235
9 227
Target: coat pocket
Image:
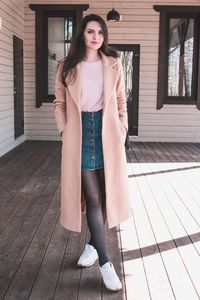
61 134
122 128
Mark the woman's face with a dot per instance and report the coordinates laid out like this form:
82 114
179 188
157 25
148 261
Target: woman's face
93 35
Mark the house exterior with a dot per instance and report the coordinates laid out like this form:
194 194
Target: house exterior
160 37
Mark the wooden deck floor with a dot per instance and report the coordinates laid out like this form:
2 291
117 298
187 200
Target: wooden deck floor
156 253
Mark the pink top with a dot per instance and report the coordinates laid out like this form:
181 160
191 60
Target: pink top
91 85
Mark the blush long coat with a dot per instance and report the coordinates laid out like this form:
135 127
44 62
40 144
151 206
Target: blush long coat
67 109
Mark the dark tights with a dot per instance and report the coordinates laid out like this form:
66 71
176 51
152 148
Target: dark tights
93 185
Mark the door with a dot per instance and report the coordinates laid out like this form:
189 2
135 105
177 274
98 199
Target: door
18 75
129 55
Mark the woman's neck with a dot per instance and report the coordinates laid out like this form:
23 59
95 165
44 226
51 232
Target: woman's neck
92 56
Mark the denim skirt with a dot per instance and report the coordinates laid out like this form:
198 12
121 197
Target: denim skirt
92 152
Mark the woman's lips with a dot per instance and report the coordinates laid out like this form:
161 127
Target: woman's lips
94 43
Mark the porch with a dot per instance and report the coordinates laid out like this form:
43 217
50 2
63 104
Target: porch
156 253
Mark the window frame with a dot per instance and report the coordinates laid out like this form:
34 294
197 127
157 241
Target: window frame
44 11
167 12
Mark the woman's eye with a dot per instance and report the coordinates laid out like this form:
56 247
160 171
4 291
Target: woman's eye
90 31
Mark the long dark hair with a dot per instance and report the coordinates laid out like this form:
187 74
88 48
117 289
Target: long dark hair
77 49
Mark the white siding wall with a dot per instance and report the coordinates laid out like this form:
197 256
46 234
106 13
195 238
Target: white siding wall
140 25
12 18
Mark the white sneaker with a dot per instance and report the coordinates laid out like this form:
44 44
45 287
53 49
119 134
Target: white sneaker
88 257
110 278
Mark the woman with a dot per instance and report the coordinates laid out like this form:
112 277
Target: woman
91 115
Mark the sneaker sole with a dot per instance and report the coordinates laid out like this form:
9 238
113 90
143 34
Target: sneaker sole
86 266
116 290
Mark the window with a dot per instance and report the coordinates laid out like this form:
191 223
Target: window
178 69
60 31
55 26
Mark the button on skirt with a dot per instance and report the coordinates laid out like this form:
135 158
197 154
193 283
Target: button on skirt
92 152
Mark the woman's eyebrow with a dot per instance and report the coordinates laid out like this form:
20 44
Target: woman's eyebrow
94 29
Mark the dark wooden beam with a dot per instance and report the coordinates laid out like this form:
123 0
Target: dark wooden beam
60 7
177 8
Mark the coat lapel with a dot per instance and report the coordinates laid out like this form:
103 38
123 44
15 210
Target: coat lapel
74 88
110 76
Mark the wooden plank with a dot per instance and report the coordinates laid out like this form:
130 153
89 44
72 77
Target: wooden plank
13 226
48 274
191 265
190 196
191 172
8 156
22 241
136 284
18 187
4 201
11 182
150 232
36 156
70 275
182 286
184 196
191 259
23 151
170 184
182 240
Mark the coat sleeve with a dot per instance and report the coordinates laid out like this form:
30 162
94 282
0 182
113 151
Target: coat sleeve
60 102
121 97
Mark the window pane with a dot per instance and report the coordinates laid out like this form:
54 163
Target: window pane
180 57
56 49
126 58
67 45
68 28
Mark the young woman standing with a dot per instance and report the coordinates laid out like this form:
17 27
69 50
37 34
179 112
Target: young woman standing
91 114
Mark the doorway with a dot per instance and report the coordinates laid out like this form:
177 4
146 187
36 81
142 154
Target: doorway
18 75
130 56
